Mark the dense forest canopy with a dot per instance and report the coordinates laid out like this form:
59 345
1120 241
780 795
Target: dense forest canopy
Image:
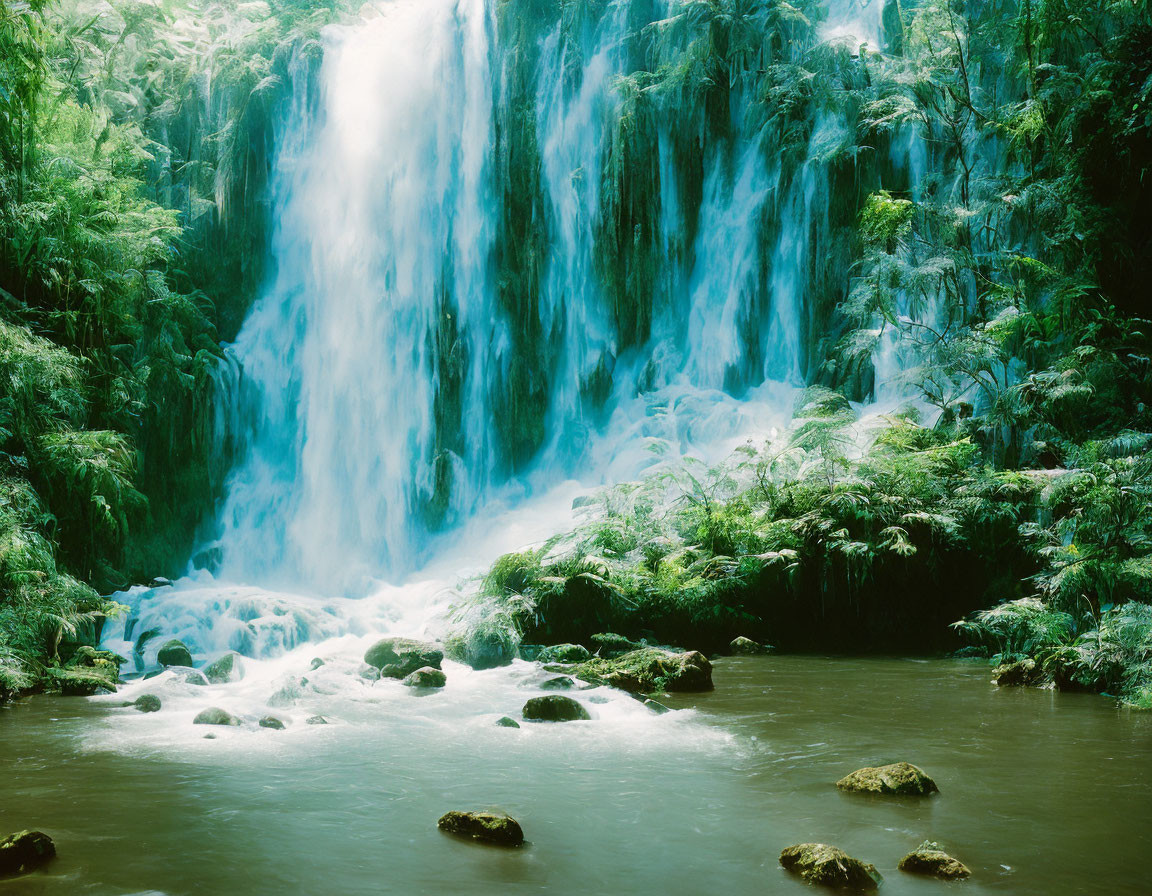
1003 263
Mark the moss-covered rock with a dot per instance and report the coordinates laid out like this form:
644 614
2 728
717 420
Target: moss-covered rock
214 715
226 669
400 657
1024 673
272 722
89 671
554 708
747 647
929 859
486 827
610 644
147 703
426 678
174 653
482 648
25 851
651 669
819 863
507 722
564 653
897 779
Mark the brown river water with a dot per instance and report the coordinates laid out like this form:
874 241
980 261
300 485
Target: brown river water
1041 792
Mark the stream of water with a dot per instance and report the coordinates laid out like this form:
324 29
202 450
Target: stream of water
1041 792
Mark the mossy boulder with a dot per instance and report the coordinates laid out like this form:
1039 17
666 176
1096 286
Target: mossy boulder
610 644
554 708
226 669
214 715
271 722
1023 673
426 678
147 703
174 653
564 653
486 827
400 657
819 863
482 648
507 722
897 779
89 671
650 669
929 859
25 851
747 647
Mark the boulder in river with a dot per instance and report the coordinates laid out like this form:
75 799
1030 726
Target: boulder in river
1024 673
487 827
174 653
819 863
316 720
559 683
651 669
400 657
214 715
147 703
929 859
554 708
225 670
25 851
272 722
747 647
610 644
564 653
507 722
426 677
484 647
315 664
897 779
89 671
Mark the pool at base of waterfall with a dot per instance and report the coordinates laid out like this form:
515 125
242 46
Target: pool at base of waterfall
1040 792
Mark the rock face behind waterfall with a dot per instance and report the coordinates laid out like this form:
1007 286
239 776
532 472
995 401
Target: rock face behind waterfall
898 779
651 669
400 657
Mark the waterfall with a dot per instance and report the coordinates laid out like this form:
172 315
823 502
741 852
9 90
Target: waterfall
502 259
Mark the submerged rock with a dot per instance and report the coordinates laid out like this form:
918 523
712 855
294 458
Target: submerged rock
193 676
1025 673
507 722
564 653
658 708
272 722
554 708
315 664
747 647
147 703
610 644
224 670
426 678
174 653
559 683
898 779
651 669
399 657
214 715
25 851
316 720
819 863
928 858
288 693
486 827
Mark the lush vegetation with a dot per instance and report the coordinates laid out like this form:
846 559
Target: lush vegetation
134 148
1007 278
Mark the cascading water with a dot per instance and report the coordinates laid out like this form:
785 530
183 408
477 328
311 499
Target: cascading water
504 269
